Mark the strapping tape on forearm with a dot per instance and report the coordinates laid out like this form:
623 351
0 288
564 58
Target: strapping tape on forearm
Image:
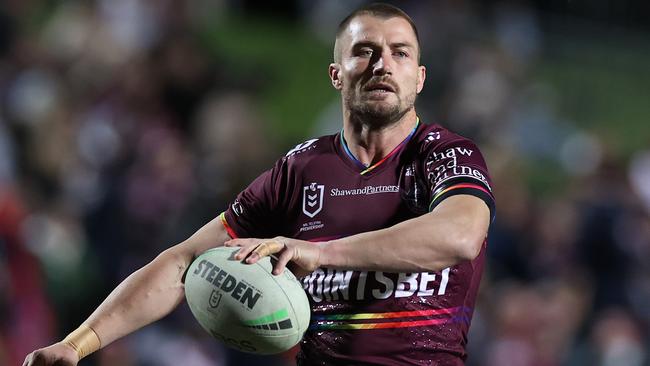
84 340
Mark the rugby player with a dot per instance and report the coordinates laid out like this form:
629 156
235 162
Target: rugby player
386 220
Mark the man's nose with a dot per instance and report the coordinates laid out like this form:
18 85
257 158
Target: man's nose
382 65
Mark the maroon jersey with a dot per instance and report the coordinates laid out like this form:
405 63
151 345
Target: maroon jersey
319 191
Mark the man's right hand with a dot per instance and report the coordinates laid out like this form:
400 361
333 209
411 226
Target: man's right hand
58 354
145 296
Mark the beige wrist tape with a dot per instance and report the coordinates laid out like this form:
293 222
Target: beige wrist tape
84 340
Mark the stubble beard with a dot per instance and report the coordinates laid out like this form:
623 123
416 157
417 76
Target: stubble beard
376 114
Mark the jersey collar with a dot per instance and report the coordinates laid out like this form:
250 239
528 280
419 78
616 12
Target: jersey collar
366 169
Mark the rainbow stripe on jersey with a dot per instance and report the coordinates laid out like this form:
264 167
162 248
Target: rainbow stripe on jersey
417 318
364 167
457 186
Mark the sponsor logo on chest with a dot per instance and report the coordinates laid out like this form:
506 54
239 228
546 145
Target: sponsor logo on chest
313 199
326 284
364 191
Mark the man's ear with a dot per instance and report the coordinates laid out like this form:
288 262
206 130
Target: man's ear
335 76
422 75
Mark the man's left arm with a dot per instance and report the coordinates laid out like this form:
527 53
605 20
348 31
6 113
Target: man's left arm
453 232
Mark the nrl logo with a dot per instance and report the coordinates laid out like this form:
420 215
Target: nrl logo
215 299
237 208
312 199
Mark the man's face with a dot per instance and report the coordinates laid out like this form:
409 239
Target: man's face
377 69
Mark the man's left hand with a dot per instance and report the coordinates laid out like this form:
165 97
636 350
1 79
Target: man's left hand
304 255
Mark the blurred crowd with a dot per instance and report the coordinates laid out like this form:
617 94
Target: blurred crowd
121 133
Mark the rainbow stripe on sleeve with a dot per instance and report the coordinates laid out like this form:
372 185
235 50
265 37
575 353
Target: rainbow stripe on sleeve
229 229
457 186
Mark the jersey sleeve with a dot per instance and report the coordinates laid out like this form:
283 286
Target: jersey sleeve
254 212
457 167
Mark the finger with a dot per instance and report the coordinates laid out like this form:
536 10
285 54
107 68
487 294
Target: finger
233 243
247 246
265 249
35 359
243 243
64 363
281 264
269 247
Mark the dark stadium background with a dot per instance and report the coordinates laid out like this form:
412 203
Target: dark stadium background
125 125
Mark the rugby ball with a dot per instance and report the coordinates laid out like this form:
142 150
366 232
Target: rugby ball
245 306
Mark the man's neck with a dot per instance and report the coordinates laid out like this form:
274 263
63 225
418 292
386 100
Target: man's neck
369 145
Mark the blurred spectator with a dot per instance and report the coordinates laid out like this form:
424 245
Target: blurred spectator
616 338
26 317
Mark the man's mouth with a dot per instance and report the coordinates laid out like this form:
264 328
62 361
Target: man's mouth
380 88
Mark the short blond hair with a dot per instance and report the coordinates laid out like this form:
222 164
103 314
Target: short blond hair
380 10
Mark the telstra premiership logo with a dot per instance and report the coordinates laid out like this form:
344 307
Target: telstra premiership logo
312 199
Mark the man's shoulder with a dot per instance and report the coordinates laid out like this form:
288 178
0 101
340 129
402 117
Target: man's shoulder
307 151
310 148
434 136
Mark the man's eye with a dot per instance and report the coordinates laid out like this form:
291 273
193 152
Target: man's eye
400 54
366 53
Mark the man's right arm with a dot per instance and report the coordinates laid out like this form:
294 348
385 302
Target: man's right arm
145 296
